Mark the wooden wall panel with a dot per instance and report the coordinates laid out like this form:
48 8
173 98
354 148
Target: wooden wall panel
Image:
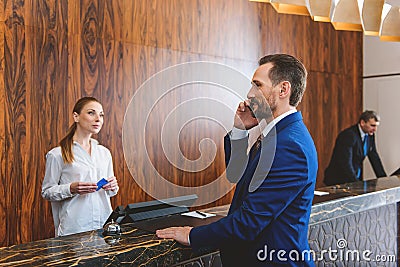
5 9
334 51
14 129
113 90
54 52
334 97
3 203
205 27
331 103
137 59
47 112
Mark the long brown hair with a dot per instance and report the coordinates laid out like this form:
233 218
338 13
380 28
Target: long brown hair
67 141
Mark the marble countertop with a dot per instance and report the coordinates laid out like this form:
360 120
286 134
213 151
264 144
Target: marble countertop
354 197
134 248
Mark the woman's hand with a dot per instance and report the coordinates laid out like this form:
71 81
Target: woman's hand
82 188
112 184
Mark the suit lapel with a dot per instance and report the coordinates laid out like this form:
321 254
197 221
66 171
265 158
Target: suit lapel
358 140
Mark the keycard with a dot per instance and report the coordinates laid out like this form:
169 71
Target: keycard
101 183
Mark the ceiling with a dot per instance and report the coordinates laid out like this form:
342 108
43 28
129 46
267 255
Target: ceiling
373 17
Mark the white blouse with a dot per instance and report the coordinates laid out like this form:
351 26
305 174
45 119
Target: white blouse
74 213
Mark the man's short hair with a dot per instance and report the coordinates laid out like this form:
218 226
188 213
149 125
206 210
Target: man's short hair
367 115
287 68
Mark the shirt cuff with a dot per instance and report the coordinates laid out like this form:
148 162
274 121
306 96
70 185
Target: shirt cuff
66 190
237 133
189 239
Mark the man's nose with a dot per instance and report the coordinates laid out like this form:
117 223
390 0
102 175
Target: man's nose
250 94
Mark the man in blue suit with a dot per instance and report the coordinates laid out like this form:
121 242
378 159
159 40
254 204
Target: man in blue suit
351 147
267 224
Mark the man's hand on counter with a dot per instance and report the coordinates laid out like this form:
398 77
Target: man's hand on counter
180 234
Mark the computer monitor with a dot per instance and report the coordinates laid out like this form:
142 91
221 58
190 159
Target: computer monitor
152 209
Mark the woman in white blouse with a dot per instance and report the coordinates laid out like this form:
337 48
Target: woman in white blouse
73 170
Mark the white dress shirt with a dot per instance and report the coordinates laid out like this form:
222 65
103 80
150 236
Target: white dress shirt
74 213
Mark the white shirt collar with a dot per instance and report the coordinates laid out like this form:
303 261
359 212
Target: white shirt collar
270 125
92 141
362 134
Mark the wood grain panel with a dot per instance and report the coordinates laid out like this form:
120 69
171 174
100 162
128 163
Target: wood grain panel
90 44
334 51
5 10
111 19
318 112
191 26
54 52
323 38
279 29
96 18
74 71
47 81
326 114
14 129
3 203
46 14
136 59
114 105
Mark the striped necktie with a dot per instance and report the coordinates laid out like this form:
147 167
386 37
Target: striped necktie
256 146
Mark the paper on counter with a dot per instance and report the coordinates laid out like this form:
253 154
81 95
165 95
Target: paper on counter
320 193
195 214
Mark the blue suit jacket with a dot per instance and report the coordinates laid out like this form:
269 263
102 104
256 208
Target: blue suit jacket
272 202
348 156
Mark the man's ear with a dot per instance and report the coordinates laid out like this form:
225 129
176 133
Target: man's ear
285 88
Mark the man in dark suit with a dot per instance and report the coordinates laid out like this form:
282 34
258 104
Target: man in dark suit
267 223
352 146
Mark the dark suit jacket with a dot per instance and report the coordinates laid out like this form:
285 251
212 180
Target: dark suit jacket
348 156
271 210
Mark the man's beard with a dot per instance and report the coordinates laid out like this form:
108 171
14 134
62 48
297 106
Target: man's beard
263 111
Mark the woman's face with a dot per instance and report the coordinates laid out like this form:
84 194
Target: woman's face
91 118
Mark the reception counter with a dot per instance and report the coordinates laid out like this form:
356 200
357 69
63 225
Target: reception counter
353 219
